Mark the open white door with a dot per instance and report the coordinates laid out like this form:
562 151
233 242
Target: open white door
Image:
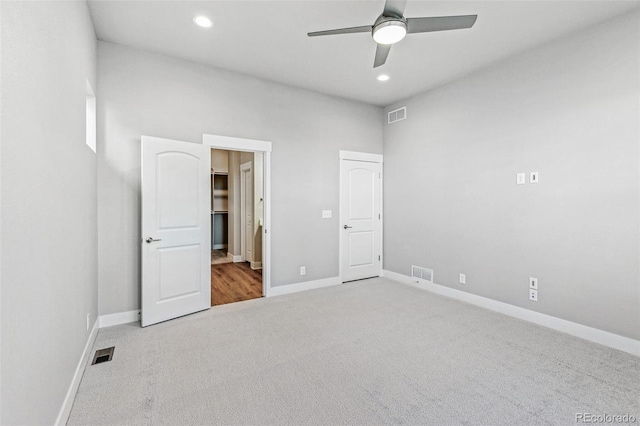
246 211
176 229
360 213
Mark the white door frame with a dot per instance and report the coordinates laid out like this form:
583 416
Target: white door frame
253 145
370 158
243 212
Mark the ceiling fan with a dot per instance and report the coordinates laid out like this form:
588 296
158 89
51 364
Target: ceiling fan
391 27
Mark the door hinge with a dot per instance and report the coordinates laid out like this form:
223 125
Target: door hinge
378 216
379 175
378 257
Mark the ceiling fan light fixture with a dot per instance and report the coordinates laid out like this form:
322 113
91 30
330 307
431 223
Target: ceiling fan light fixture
389 32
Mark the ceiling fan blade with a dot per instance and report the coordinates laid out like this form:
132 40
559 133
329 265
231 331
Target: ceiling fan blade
440 23
394 7
382 51
363 29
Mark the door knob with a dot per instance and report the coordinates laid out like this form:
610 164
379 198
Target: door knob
347 227
152 240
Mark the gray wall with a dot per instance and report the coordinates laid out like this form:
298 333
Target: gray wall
148 94
49 217
569 110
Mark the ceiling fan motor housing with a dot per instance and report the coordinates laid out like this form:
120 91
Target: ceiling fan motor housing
389 29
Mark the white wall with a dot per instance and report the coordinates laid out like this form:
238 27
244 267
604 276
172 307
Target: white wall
569 110
148 94
49 216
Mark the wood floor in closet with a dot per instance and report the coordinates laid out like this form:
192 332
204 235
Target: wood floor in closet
234 282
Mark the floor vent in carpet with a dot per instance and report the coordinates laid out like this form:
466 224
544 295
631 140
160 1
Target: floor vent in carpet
103 355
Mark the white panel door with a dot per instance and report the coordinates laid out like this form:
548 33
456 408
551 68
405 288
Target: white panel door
176 229
360 212
246 210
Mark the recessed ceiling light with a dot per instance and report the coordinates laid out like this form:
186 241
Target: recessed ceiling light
203 21
383 77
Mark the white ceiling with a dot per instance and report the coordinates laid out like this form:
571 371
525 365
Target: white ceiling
268 39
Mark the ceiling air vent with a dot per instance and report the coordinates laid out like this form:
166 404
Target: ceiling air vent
422 273
397 114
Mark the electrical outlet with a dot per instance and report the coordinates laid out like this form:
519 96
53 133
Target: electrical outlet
533 177
533 283
303 270
533 295
521 179
326 214
463 279
87 322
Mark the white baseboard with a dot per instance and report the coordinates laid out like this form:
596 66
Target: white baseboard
582 331
234 259
307 285
256 265
219 246
65 410
119 318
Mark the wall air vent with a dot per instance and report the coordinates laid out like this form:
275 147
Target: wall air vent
397 115
422 273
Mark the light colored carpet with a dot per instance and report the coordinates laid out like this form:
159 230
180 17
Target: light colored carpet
363 353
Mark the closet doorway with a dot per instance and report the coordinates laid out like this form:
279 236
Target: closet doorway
239 243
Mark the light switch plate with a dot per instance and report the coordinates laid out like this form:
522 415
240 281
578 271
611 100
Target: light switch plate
326 214
533 177
521 179
533 283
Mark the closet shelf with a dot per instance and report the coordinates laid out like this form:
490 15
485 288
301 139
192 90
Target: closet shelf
219 198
